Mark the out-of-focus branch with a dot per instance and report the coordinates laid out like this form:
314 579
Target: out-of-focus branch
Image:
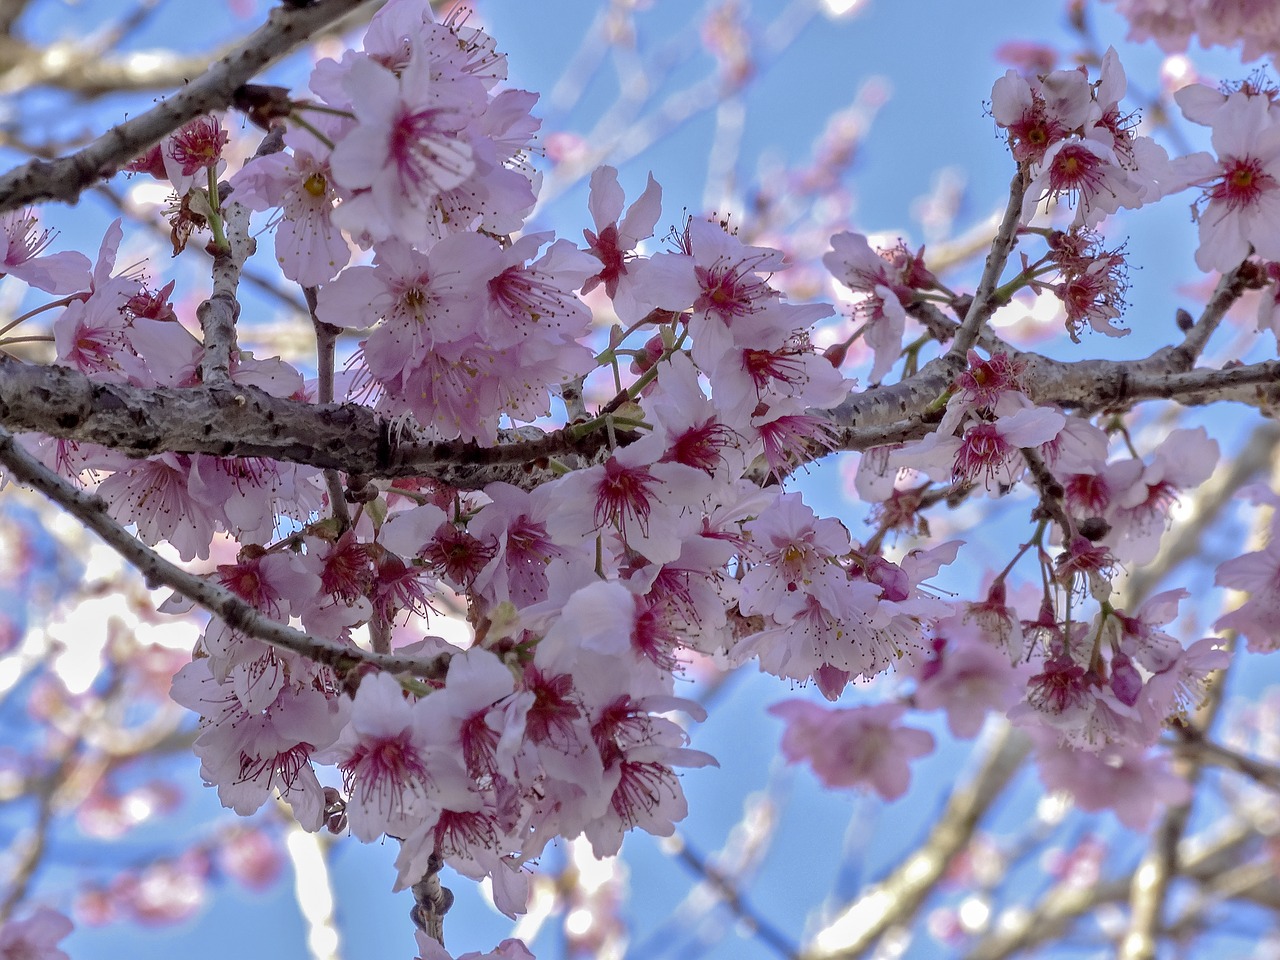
70 66
313 891
896 898
1207 753
30 851
1019 929
727 890
67 177
726 874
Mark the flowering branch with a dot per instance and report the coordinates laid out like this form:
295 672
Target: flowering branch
245 422
287 28
221 602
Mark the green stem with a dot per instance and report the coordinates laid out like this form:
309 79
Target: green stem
311 129
215 217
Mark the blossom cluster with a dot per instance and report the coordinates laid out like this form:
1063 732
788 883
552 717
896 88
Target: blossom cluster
1078 143
1172 24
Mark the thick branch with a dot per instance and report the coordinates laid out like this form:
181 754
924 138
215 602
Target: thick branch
67 177
240 421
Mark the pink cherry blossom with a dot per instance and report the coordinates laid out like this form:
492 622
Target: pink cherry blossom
22 244
855 747
404 149
396 768
1126 780
635 284
1241 199
309 246
36 937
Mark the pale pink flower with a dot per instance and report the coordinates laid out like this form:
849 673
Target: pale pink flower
634 493
885 296
1139 509
309 246
21 246
1241 199
1129 781
396 769
1086 172
1019 105
988 451
405 149
36 937
790 548
517 521
968 677
635 284
1258 618
857 747
430 949
154 494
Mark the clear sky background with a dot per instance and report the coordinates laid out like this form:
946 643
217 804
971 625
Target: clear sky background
935 63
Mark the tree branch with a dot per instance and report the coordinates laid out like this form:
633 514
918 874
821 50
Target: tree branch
91 511
219 313
241 421
984 301
67 177
1020 930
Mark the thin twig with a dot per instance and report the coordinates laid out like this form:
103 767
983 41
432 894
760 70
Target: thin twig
984 304
219 313
326 338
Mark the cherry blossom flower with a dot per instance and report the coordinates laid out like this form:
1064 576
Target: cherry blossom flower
1258 618
1036 121
23 243
989 451
885 296
1241 199
856 747
405 149
36 937
1086 172
634 493
309 246
1126 780
430 949
395 765
968 677
635 284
